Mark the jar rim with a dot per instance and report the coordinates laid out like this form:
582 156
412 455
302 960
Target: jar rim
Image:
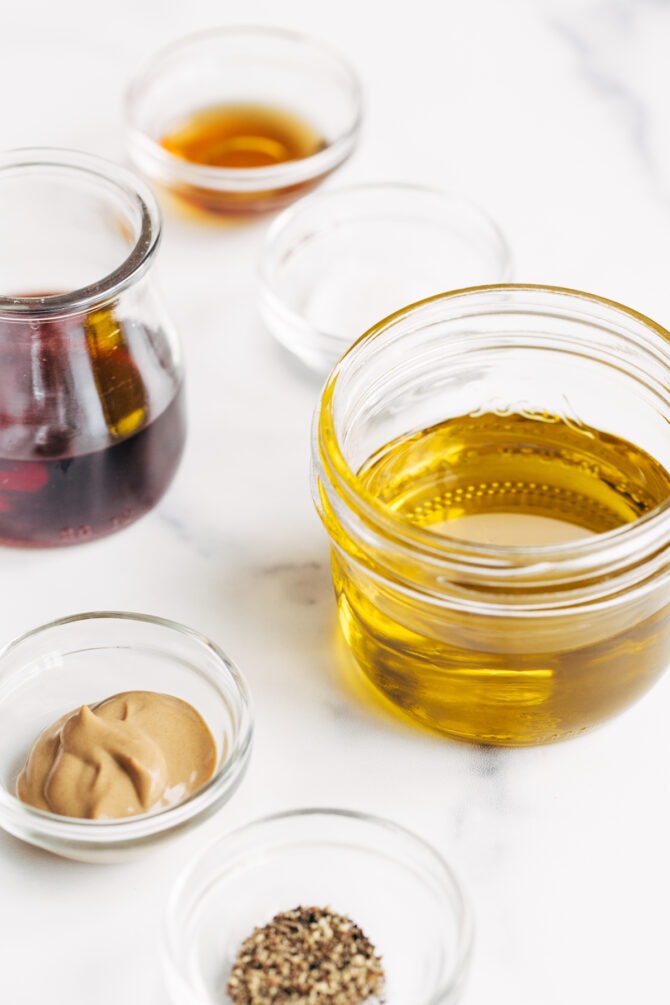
134 265
523 565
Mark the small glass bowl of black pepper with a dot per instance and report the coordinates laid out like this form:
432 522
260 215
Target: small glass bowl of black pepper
240 120
71 668
327 868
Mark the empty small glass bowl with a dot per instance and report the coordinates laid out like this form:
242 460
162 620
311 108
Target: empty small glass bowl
394 886
86 658
340 261
242 120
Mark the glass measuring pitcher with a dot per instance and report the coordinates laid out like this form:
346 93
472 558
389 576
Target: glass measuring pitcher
91 403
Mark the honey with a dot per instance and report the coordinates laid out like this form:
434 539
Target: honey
243 136
497 674
239 137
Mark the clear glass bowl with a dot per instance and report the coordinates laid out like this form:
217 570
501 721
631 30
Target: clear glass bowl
341 260
243 66
392 884
86 658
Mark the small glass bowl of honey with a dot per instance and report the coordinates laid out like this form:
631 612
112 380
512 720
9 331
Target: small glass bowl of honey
238 121
492 467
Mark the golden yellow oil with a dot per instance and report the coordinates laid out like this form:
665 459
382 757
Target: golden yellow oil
506 678
241 136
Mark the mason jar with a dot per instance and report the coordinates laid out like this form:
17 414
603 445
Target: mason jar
91 401
492 467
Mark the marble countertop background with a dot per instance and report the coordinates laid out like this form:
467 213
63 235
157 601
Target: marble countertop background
553 115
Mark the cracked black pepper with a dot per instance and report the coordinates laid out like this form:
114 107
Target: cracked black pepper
307 956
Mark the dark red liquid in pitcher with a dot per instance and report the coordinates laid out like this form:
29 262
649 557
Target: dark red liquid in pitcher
55 489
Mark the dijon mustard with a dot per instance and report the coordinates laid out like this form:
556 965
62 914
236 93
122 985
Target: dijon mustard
136 752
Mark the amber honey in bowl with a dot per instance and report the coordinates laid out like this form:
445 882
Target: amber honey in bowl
242 136
499 527
92 422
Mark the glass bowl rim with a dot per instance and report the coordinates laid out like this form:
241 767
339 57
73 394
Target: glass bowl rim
126 830
460 904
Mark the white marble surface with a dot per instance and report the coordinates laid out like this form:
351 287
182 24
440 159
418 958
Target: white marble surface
553 115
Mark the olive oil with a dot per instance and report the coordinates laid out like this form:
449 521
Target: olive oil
476 670
539 467
243 136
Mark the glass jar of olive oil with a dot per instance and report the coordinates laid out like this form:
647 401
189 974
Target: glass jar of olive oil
492 467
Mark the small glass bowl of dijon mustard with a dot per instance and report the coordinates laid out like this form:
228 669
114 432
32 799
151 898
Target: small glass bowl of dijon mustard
241 120
120 731
492 467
